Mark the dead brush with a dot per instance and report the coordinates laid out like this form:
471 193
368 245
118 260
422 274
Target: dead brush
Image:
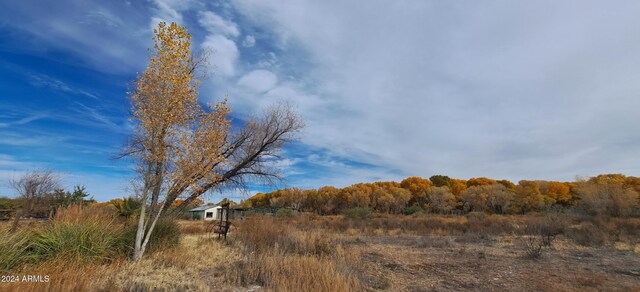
533 246
547 227
541 232
261 233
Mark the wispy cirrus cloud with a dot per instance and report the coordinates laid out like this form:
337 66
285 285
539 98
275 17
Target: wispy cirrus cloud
99 117
91 31
41 80
14 138
22 121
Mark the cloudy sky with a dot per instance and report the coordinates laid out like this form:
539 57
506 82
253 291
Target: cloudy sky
388 89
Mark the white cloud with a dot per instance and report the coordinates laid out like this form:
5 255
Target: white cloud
225 54
169 11
217 25
22 121
249 41
258 81
220 41
498 90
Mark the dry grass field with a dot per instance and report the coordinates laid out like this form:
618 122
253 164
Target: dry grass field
384 252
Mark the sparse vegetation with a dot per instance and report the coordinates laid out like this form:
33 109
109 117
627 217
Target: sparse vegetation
306 252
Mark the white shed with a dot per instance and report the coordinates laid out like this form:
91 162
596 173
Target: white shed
206 212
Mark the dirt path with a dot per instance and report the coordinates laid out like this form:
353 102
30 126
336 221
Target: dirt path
440 263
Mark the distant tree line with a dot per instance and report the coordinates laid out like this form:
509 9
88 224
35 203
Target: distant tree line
40 194
611 194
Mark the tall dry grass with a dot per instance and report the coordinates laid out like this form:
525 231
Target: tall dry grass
280 271
280 257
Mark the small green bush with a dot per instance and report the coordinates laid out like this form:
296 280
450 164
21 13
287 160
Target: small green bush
166 234
412 210
284 212
357 212
127 207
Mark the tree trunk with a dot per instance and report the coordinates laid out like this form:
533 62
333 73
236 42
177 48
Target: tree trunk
143 235
138 249
16 221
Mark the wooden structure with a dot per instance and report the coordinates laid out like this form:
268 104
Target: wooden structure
7 214
221 226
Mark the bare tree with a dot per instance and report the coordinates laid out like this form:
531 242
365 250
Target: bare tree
34 190
250 153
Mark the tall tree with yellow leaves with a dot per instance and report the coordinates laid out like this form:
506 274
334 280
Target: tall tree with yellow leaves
183 149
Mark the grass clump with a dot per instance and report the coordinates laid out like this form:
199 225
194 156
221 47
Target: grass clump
14 250
80 235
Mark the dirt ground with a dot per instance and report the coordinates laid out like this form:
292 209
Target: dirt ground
443 263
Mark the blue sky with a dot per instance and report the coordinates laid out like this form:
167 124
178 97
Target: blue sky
534 90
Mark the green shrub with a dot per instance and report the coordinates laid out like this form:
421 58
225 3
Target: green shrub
357 212
412 210
166 234
127 207
284 212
